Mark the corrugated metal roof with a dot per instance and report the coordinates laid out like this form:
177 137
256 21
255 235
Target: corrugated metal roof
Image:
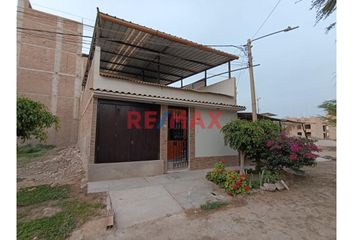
150 55
235 107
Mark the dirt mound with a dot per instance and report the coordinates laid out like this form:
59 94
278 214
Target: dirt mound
65 167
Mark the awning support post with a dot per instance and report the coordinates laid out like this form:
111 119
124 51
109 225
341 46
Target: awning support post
158 69
205 77
229 68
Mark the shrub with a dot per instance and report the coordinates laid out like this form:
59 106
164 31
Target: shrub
248 137
218 175
291 152
33 119
270 177
236 183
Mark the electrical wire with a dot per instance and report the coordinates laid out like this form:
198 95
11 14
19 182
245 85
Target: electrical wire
266 19
86 40
172 44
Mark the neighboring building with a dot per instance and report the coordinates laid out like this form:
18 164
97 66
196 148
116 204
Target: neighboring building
129 69
312 127
50 67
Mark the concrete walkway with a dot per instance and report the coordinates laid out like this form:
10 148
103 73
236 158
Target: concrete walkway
137 200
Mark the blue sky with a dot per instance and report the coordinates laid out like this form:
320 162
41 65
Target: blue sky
298 68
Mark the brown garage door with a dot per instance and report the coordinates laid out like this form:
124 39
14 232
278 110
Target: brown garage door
115 142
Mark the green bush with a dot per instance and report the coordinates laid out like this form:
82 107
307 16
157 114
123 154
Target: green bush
33 119
218 175
248 137
270 177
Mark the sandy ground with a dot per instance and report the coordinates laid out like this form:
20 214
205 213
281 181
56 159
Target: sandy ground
58 167
307 211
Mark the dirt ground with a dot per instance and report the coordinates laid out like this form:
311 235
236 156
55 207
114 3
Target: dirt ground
61 166
57 166
307 211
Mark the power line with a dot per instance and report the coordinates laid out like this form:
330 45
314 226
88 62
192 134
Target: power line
51 20
265 20
177 45
57 10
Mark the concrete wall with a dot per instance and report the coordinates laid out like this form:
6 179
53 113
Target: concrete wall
209 141
49 68
227 87
108 171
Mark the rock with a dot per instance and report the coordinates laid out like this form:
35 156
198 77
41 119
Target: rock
269 187
279 186
285 185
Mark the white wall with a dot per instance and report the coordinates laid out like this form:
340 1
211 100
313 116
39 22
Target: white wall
210 142
227 87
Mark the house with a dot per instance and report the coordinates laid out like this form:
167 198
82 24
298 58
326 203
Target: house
132 122
117 104
312 127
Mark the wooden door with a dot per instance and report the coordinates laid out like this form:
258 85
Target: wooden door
115 142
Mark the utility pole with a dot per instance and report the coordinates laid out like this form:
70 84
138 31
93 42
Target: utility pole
250 69
250 65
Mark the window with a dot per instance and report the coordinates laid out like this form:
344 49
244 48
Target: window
298 126
307 126
299 133
308 134
325 128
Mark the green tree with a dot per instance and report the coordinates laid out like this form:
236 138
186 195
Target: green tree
324 8
247 137
330 107
33 119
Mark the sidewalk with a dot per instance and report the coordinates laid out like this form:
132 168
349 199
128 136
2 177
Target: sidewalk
136 200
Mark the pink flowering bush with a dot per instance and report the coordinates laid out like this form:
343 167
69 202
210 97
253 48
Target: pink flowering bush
291 152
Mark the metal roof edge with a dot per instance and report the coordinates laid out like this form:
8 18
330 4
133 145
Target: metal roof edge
164 99
168 36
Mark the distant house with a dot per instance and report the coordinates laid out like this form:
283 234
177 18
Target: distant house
117 104
312 127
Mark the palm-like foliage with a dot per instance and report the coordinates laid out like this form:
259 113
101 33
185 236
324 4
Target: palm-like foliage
330 107
324 8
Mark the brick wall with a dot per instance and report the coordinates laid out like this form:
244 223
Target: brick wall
49 68
208 162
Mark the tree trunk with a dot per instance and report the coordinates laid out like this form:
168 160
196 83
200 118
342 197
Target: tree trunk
242 162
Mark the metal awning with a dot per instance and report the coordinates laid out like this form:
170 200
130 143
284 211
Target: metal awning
140 52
